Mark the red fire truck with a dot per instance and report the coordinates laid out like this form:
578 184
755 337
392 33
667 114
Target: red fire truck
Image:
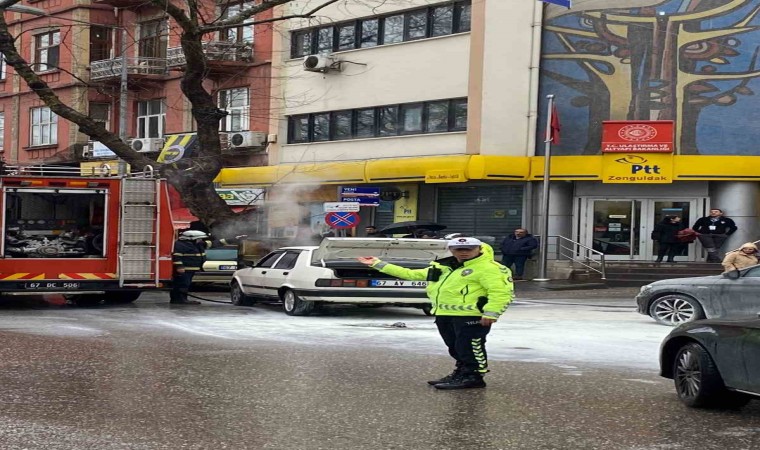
93 236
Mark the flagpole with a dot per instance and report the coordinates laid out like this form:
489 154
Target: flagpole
543 243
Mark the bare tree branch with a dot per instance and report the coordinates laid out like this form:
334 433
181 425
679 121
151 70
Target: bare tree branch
241 17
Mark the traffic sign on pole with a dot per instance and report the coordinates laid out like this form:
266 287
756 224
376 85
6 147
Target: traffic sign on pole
342 220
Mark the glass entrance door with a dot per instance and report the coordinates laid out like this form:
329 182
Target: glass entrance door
615 228
621 229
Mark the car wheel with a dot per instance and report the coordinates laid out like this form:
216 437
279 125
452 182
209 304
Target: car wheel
698 382
428 310
238 297
675 309
293 305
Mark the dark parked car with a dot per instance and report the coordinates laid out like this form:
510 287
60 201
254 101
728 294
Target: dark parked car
714 362
681 300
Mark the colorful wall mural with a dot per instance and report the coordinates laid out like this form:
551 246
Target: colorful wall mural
691 61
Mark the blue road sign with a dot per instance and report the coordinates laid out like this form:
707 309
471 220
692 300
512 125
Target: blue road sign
366 196
342 220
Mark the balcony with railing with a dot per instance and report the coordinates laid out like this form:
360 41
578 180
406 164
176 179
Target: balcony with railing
139 66
220 54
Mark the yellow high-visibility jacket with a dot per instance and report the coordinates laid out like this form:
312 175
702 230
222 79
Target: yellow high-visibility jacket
477 287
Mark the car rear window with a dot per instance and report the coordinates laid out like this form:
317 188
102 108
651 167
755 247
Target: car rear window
221 254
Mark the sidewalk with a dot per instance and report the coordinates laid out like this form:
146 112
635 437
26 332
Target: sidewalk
568 290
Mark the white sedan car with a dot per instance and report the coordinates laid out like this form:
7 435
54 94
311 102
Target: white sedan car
303 277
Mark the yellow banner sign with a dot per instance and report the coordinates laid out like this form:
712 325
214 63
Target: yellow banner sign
445 176
638 168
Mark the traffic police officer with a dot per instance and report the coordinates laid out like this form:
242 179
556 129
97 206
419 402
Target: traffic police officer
469 291
188 258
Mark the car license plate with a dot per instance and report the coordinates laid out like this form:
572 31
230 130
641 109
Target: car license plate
227 267
67 285
398 283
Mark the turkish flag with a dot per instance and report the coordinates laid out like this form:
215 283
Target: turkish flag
555 126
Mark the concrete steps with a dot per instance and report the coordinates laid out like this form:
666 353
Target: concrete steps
633 273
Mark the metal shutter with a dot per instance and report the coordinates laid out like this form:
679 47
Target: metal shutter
488 212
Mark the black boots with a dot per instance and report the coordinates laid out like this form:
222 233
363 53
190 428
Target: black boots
469 381
447 379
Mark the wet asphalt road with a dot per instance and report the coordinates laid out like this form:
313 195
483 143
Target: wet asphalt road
134 378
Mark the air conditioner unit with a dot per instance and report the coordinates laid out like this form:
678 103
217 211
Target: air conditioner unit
147 145
243 139
320 63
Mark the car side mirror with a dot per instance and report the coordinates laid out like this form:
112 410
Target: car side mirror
732 275
249 263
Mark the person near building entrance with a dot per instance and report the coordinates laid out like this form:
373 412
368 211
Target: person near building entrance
469 292
516 249
188 258
713 231
746 256
371 231
666 234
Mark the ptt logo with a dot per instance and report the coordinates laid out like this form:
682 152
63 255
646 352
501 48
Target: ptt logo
638 164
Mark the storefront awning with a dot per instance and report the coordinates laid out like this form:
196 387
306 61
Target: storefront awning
432 169
316 173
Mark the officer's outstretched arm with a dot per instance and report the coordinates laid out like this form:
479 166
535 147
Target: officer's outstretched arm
401 272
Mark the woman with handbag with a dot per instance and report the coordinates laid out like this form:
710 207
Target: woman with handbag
666 234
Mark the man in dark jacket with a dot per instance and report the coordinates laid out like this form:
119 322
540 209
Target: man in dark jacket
516 249
713 231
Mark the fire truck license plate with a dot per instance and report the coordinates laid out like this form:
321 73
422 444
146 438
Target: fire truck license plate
52 285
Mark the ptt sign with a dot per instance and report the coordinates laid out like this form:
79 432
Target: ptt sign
649 168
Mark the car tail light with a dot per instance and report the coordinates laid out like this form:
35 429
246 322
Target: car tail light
326 282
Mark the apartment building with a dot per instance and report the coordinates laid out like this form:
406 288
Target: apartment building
77 49
425 101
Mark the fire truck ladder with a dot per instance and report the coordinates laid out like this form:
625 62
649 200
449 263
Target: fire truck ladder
139 234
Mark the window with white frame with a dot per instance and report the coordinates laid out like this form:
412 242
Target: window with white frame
3 68
44 130
151 118
46 50
2 131
241 34
235 102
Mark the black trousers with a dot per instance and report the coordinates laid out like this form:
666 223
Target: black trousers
181 285
465 338
670 248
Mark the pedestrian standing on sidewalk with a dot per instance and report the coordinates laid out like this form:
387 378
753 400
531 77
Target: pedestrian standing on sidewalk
713 231
469 292
516 249
666 234
746 256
